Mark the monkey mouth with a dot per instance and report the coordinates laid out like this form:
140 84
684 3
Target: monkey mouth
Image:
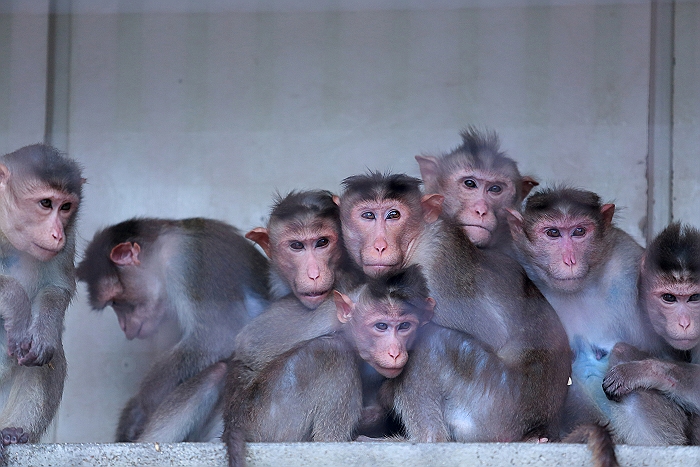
47 253
683 343
389 372
315 298
477 226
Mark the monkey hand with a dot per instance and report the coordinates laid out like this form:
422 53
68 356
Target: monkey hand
34 353
616 383
131 422
12 435
18 343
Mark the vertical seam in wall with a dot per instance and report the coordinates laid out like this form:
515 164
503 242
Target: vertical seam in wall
671 115
660 121
50 73
58 74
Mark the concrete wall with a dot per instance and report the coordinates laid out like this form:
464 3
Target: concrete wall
207 108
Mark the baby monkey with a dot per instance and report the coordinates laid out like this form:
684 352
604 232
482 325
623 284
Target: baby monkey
314 392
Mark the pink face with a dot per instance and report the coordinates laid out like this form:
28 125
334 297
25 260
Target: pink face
383 337
307 258
475 200
379 235
562 249
674 310
35 217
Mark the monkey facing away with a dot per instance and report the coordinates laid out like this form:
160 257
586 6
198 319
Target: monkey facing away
40 191
669 290
588 268
478 181
200 272
493 320
314 391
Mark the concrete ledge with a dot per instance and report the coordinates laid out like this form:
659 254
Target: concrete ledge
342 454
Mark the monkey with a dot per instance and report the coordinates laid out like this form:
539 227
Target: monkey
199 272
491 316
669 291
307 260
314 391
478 181
40 194
587 269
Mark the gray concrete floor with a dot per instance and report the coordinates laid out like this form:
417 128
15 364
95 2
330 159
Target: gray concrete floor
342 454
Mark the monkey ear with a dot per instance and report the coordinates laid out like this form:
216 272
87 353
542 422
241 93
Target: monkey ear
261 236
515 222
432 207
336 200
344 306
428 166
4 174
607 211
126 254
527 183
430 308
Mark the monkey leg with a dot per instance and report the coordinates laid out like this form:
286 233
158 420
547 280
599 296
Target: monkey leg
187 411
34 396
648 418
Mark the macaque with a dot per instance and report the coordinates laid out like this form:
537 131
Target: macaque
588 268
669 290
199 272
314 392
499 347
40 192
478 182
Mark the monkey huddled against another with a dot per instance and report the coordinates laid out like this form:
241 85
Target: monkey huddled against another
443 312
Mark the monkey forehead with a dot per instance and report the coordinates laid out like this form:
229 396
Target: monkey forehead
485 162
565 220
674 286
304 229
37 190
107 289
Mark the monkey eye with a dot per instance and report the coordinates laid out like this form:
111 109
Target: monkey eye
469 183
495 189
668 298
381 326
66 206
368 215
322 242
393 214
296 246
404 326
45 203
553 233
578 232
694 298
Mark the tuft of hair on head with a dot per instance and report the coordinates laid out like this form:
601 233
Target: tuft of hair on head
407 286
48 165
376 185
564 201
309 203
675 253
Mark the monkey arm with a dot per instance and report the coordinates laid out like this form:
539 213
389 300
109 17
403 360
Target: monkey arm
280 328
15 310
680 381
48 310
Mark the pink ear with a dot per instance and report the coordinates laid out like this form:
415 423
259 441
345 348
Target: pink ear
607 210
126 254
432 207
515 222
343 305
261 236
428 171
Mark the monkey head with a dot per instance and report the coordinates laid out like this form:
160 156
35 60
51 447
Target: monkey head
478 182
670 285
129 283
384 320
382 217
40 191
562 234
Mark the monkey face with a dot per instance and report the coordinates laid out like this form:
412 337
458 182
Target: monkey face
379 234
562 250
306 257
383 336
476 200
35 218
674 310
